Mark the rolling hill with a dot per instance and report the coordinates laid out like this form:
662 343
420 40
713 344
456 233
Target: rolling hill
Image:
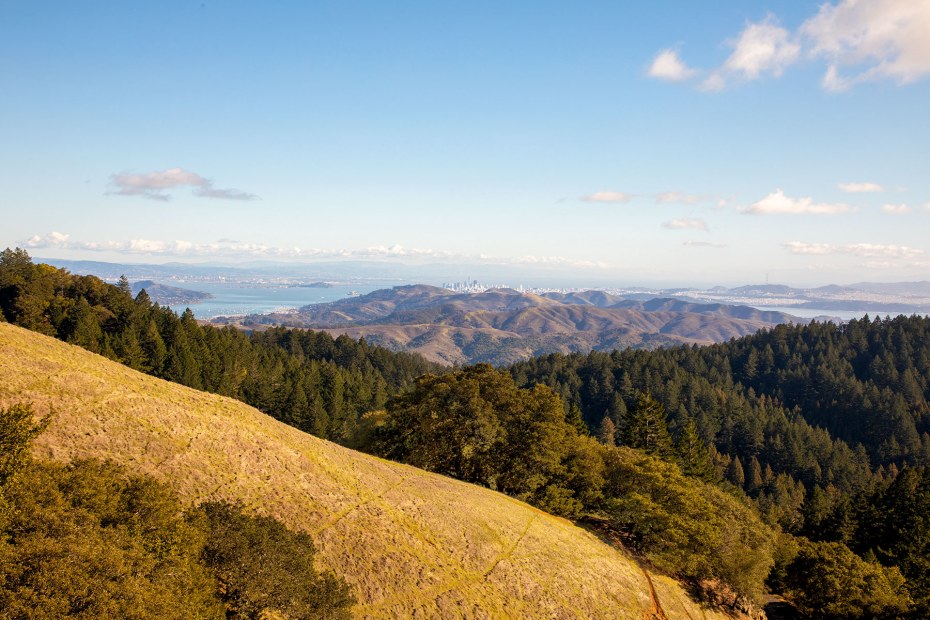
410 543
502 326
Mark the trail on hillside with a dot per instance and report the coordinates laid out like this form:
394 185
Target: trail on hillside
657 612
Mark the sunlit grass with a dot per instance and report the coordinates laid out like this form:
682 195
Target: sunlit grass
411 543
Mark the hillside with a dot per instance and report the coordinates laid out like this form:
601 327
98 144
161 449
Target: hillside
502 326
411 544
167 295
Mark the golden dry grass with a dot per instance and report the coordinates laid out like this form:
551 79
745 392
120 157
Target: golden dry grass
412 544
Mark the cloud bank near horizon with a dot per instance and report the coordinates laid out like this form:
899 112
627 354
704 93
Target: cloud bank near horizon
229 248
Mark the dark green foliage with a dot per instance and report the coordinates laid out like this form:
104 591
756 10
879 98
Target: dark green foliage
686 527
477 426
261 565
645 428
827 580
893 524
18 427
88 540
694 455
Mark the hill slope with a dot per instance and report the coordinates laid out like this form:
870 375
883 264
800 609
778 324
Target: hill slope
502 326
411 544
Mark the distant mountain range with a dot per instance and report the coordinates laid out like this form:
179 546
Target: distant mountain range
896 297
503 325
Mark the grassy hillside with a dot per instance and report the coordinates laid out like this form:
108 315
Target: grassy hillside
411 544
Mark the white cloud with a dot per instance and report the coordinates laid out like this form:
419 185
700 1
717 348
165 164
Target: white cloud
555 261
154 185
678 197
715 82
859 40
859 188
865 250
227 248
896 209
777 203
685 223
223 194
703 244
874 39
763 48
668 66
608 197
51 240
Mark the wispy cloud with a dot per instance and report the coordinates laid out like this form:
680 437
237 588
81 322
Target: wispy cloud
760 49
668 66
608 197
228 248
674 197
859 188
896 209
155 185
858 40
703 244
777 203
685 223
865 250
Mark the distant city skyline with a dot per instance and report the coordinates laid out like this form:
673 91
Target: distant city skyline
662 143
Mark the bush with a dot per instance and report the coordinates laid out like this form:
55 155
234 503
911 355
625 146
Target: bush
684 526
261 565
827 580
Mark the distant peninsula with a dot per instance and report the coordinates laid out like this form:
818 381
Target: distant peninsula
169 295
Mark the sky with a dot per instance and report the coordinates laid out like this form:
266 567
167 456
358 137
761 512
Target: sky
672 143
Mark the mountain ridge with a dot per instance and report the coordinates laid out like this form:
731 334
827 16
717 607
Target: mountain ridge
501 326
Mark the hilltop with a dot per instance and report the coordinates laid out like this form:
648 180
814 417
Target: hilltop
502 326
410 543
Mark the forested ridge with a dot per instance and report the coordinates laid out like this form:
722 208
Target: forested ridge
308 379
794 460
824 426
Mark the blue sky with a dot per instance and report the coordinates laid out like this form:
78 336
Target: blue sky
664 142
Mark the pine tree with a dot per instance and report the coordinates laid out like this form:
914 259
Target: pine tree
647 429
607 433
754 476
735 473
156 352
693 454
123 285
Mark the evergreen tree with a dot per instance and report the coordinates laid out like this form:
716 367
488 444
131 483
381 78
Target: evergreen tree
735 473
123 285
693 454
607 433
647 428
754 476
